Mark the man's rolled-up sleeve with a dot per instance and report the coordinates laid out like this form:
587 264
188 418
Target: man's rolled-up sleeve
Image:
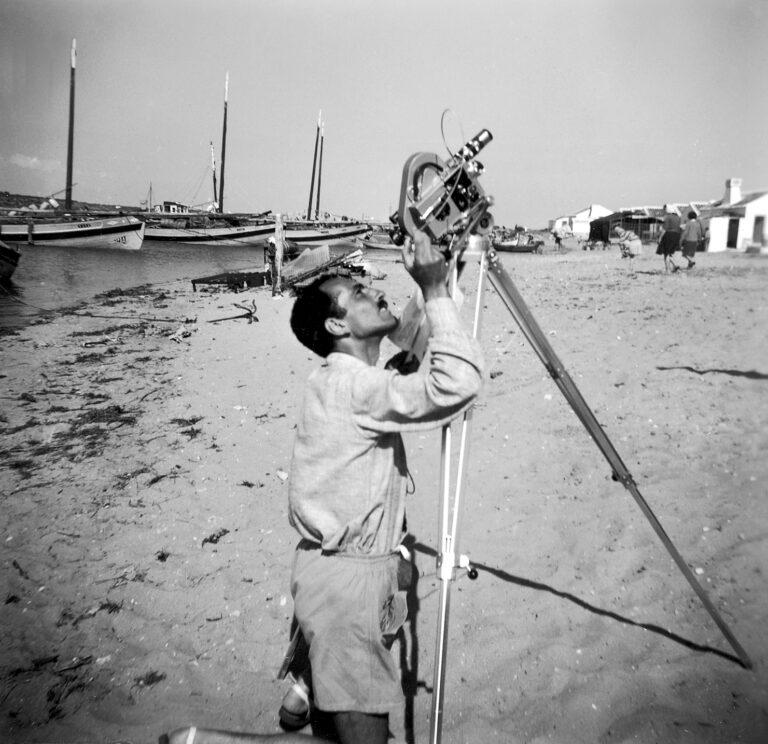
449 379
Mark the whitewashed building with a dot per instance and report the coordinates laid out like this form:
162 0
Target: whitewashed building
578 224
739 221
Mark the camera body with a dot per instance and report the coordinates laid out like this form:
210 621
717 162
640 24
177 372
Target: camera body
444 199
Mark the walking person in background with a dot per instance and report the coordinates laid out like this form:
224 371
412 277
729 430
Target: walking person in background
691 238
669 240
557 234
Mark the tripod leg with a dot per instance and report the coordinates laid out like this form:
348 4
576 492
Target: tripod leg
448 529
510 296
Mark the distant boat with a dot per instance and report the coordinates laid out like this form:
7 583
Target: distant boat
320 233
519 244
113 232
9 260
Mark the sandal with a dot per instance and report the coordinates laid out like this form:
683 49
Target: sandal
298 714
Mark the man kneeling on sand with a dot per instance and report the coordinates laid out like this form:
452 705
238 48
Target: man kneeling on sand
348 484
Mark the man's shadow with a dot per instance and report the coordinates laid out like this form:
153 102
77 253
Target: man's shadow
510 578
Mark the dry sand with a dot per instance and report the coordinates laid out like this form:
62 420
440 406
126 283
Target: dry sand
146 549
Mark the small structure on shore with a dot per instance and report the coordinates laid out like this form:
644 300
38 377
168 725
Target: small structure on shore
738 221
578 224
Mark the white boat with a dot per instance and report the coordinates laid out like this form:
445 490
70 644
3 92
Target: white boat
204 230
173 222
113 232
308 233
313 232
105 231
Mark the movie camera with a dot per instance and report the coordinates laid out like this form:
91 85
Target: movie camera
444 199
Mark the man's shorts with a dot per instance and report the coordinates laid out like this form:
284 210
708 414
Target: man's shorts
349 609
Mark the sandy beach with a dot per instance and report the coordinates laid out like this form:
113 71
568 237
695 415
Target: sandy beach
146 549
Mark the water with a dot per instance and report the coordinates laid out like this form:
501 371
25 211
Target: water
54 278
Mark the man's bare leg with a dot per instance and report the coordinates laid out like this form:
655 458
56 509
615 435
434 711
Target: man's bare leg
361 728
192 735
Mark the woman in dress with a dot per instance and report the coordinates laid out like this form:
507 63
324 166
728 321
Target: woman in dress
669 240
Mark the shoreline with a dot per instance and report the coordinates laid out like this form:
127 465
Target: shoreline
146 548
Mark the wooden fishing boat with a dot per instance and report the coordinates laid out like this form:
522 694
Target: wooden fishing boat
312 233
112 232
317 231
9 260
105 231
207 230
177 223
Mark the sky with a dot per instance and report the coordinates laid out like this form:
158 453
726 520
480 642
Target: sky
612 102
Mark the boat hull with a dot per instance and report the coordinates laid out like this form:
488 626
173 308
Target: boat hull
304 236
9 260
377 245
503 246
121 233
255 235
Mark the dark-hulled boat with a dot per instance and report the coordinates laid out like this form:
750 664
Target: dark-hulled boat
9 260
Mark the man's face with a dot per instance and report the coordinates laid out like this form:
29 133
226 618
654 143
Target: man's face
367 312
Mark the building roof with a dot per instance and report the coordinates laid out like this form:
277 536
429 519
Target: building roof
747 198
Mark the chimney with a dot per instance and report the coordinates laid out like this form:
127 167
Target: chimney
732 191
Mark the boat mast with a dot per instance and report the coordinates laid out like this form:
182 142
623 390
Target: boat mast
70 137
223 144
320 170
213 170
314 165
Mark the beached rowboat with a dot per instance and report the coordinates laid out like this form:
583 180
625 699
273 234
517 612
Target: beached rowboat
114 232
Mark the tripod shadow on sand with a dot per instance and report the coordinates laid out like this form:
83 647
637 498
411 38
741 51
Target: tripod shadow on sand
510 578
750 374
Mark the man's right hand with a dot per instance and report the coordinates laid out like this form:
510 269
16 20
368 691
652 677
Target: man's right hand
427 265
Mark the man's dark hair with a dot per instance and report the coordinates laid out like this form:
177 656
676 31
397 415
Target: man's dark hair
310 311
691 215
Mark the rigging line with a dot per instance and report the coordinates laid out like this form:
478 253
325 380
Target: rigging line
204 176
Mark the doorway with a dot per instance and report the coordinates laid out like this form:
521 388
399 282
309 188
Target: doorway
758 231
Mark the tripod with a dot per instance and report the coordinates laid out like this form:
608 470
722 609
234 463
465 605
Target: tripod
501 281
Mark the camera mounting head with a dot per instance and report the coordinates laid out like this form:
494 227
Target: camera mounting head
444 198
